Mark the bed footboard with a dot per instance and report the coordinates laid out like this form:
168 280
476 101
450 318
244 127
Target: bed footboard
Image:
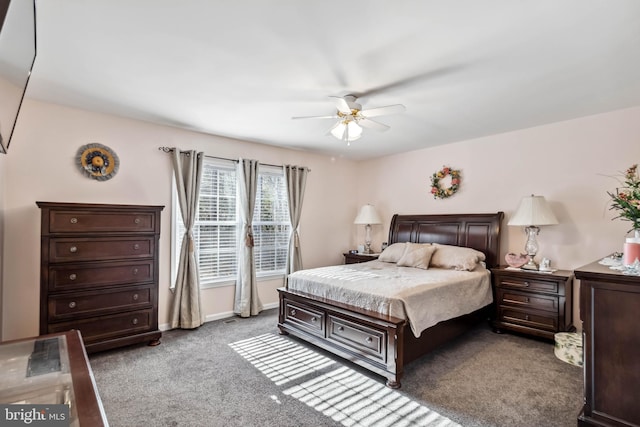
368 339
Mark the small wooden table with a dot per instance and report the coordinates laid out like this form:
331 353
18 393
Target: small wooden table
358 257
62 376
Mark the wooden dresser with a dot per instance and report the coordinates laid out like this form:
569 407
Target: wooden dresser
99 272
610 309
533 303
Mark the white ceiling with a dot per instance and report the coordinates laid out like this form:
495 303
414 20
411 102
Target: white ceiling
243 68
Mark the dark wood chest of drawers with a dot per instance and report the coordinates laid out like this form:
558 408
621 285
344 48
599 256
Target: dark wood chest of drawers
609 309
99 272
534 303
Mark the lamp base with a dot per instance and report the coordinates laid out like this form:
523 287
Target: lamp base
530 265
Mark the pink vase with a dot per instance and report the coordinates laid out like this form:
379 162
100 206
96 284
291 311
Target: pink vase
632 249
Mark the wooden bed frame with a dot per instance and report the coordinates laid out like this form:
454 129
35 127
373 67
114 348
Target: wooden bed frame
384 344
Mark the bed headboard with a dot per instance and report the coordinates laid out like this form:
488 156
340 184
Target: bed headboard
477 231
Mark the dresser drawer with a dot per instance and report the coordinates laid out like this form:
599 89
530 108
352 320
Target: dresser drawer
74 221
311 320
101 248
85 304
67 277
528 300
530 319
549 286
105 327
362 339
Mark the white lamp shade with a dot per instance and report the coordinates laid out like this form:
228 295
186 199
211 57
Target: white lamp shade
533 210
347 131
367 215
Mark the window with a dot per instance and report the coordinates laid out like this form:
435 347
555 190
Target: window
218 224
271 225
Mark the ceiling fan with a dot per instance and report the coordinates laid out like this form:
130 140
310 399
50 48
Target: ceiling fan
352 118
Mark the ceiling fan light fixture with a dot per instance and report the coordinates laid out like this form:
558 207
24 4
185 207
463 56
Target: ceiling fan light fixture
347 131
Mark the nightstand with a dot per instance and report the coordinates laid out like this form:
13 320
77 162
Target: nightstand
356 258
532 302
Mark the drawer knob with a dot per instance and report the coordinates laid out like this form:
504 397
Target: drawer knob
137 220
73 276
134 321
526 284
72 304
313 319
73 249
135 297
526 317
293 312
136 246
135 271
369 339
526 299
73 220
341 328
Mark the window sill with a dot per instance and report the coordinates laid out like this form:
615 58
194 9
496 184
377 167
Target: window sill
232 282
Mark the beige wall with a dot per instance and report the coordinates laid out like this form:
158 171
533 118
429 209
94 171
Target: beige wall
566 162
569 163
41 166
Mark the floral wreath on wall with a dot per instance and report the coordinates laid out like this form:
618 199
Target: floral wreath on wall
442 193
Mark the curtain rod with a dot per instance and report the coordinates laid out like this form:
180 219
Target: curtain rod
170 150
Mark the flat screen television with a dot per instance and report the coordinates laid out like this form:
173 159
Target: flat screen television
17 54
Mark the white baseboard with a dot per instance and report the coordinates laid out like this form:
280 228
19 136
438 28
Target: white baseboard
218 316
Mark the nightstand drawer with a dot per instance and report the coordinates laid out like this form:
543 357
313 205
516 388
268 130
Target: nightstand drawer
311 320
530 319
529 284
527 300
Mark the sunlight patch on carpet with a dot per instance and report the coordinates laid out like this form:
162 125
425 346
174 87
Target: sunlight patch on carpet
279 359
344 395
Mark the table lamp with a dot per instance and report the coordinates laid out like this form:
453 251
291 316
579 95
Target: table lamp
532 212
367 216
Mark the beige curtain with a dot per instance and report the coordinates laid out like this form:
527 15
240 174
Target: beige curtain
296 180
247 302
186 312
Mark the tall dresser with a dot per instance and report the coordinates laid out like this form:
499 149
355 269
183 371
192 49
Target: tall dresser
610 310
99 272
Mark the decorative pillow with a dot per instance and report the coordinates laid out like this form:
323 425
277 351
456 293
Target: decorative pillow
456 257
393 253
417 255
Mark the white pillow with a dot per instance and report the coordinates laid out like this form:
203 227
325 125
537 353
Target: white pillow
456 257
417 255
393 253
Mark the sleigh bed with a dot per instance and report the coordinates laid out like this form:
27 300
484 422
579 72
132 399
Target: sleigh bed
383 343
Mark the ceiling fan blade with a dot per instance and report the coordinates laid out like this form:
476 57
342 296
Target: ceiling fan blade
412 80
342 105
371 124
379 111
334 116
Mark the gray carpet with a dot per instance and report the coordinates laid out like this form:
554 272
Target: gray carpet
235 373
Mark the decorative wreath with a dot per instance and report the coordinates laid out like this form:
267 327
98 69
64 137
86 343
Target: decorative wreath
442 193
98 161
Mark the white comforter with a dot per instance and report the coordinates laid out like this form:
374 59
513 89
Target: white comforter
424 297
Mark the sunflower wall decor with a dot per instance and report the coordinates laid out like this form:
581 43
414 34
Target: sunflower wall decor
98 161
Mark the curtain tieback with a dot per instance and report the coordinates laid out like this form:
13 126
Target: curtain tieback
248 239
296 239
190 248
